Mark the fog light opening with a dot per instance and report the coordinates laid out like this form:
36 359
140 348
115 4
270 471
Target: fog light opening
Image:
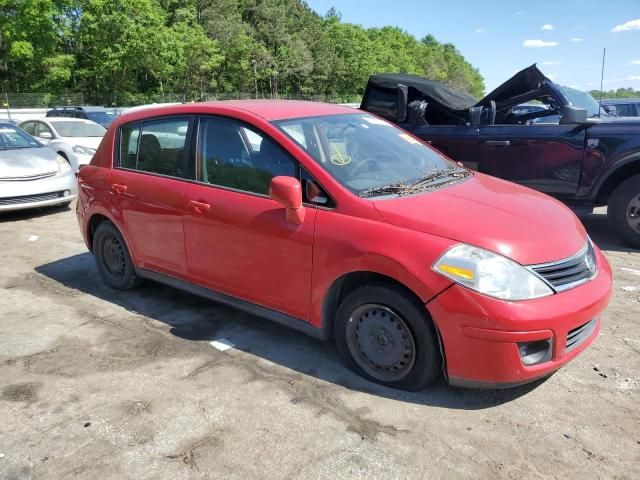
533 353
66 193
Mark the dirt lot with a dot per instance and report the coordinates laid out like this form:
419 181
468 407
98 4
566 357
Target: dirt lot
102 385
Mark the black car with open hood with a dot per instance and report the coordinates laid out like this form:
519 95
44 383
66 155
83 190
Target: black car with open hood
529 130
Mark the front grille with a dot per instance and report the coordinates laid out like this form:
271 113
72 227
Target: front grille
571 271
578 335
28 177
42 197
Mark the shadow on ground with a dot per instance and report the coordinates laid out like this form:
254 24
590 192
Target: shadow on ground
31 213
601 233
199 320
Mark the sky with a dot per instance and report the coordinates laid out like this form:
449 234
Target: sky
501 37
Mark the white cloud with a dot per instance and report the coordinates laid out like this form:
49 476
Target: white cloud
538 44
551 62
577 39
480 30
633 77
520 13
630 25
635 62
546 26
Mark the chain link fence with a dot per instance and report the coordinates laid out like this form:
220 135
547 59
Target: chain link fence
39 100
48 100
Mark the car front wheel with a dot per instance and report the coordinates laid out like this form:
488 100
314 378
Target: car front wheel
623 211
384 334
112 258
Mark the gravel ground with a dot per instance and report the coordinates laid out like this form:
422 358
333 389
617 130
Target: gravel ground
102 385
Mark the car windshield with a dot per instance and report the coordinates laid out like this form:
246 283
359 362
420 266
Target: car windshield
368 155
12 137
66 128
577 98
103 118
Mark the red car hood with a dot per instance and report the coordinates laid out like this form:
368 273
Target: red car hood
522 224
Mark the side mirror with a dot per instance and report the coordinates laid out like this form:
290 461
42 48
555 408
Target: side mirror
571 115
45 135
287 191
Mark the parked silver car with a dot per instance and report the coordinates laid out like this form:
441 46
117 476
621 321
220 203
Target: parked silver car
75 139
32 175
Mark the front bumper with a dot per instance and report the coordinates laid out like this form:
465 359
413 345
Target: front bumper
43 192
480 334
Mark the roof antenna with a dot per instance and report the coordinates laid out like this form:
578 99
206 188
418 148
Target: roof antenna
604 53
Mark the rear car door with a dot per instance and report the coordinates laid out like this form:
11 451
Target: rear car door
238 240
545 157
147 185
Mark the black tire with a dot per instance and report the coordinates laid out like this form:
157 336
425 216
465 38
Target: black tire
412 362
623 211
113 259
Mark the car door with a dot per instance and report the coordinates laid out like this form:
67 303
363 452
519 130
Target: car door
147 183
458 142
545 157
238 240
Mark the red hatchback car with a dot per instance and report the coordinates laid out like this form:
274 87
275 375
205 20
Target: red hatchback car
338 224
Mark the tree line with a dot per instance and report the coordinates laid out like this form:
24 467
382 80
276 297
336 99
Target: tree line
618 93
128 51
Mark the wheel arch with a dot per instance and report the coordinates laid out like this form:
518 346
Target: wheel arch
625 168
347 283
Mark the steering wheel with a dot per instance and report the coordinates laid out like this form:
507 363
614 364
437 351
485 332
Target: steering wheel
376 159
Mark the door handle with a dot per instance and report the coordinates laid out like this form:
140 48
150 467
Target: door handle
199 207
498 143
118 188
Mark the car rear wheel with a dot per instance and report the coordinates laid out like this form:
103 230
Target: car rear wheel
623 211
113 259
384 334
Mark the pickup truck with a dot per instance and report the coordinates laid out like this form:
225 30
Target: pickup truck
530 131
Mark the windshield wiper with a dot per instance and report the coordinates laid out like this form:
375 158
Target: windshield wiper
398 188
430 177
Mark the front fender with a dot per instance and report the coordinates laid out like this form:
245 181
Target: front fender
345 244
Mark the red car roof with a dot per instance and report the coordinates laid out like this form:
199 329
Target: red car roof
267 109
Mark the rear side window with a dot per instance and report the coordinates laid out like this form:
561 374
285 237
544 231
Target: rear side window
624 110
157 146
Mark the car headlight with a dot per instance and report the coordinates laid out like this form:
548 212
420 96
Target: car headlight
80 150
491 274
63 164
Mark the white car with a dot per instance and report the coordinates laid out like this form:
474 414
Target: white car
74 139
31 175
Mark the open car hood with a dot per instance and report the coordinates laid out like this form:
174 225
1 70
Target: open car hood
506 95
385 95
382 95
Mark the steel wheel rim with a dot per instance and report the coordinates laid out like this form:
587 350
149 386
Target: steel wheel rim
113 258
380 342
633 213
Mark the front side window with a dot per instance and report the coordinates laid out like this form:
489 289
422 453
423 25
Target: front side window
157 146
42 128
29 127
235 156
368 155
